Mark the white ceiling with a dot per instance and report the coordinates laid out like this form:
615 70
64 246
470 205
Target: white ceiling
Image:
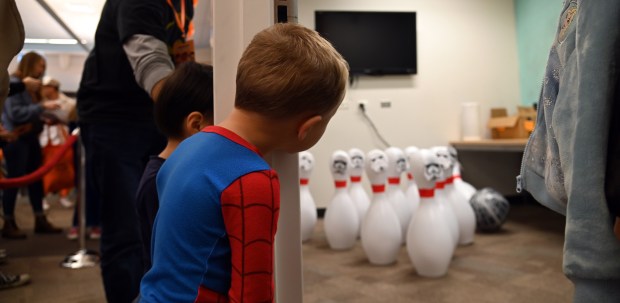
82 17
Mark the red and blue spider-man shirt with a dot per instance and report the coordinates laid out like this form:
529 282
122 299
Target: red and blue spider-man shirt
214 233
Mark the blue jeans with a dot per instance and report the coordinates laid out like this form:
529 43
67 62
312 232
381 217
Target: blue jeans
116 155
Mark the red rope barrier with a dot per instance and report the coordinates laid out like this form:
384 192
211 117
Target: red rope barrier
41 171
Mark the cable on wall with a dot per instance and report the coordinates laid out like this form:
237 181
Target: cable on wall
362 109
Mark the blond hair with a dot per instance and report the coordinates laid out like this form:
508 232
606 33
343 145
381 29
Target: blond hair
289 70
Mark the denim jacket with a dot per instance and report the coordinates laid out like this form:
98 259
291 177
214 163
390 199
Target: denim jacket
564 162
20 109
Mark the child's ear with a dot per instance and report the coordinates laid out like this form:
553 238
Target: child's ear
307 125
194 122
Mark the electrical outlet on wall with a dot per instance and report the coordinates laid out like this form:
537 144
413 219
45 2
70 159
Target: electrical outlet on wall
362 104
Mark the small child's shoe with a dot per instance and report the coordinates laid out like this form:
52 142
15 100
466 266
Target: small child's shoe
95 233
73 233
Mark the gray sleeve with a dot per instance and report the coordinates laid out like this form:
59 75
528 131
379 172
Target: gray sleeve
149 59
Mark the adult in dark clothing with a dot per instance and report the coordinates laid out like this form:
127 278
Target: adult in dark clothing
130 59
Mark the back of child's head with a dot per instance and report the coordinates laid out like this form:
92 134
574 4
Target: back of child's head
289 70
188 89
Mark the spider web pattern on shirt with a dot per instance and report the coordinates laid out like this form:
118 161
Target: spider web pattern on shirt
250 207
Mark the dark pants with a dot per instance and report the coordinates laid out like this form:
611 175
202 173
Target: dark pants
93 206
115 158
23 157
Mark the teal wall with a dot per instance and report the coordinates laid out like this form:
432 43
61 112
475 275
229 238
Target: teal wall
537 22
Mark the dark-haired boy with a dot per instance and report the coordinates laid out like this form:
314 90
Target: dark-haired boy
183 108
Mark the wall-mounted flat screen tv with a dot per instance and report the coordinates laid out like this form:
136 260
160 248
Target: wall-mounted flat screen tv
373 43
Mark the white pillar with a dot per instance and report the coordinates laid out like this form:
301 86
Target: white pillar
235 22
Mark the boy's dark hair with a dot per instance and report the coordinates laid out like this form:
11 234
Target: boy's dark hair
188 89
289 70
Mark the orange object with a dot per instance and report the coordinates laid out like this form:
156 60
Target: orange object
62 175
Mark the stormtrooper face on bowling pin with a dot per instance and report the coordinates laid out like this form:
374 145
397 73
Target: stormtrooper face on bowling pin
424 168
453 157
376 166
432 171
378 161
397 162
443 156
357 161
340 165
306 164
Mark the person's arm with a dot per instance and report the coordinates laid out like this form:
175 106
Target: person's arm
16 88
250 207
150 61
21 111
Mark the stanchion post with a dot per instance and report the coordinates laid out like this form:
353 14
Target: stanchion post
83 257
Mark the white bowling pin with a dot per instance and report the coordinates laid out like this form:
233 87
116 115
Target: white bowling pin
411 192
397 165
429 243
381 232
308 215
467 189
341 219
356 190
460 204
443 200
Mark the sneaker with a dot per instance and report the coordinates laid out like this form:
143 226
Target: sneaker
65 202
95 233
10 281
73 233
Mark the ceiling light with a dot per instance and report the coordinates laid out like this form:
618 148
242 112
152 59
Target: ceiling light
50 41
77 7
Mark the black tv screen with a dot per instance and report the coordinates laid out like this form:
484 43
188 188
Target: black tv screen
373 43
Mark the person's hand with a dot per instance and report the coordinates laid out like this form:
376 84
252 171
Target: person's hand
6 135
50 105
617 228
32 85
22 129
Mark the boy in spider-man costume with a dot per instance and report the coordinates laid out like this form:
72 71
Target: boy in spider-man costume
219 199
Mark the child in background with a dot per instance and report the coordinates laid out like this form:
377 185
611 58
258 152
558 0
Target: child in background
183 107
57 133
219 199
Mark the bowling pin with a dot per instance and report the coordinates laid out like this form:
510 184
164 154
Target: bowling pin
341 219
443 200
356 190
429 243
411 192
397 165
467 189
307 207
460 204
381 232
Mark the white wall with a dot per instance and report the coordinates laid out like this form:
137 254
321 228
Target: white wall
467 52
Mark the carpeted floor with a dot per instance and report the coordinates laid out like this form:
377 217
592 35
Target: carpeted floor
522 263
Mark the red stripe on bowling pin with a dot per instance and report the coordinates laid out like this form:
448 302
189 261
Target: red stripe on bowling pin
394 181
427 193
340 184
378 188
